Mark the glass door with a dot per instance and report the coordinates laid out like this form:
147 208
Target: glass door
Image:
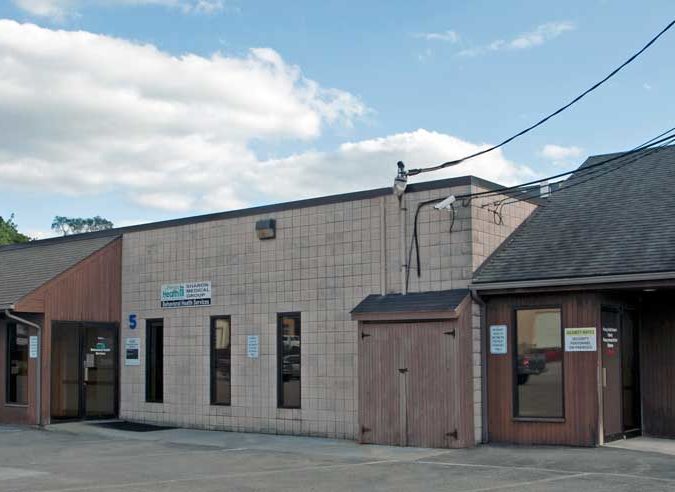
100 370
66 377
84 370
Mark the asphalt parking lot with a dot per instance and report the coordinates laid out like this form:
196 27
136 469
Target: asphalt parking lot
80 457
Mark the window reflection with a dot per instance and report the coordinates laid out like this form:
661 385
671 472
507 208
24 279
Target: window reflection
17 364
289 360
539 363
220 361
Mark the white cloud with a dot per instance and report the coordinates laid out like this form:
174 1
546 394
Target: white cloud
62 9
372 163
90 114
538 36
561 156
446 36
558 152
646 86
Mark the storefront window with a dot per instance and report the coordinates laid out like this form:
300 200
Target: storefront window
154 361
17 364
288 354
539 364
220 361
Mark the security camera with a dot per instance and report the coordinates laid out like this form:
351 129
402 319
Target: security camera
445 204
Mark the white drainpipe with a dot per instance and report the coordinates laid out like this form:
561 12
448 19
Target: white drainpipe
38 391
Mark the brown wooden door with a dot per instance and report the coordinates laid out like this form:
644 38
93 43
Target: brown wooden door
612 391
407 390
430 399
380 383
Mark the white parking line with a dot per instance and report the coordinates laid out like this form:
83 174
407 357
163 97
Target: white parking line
217 477
118 459
549 470
531 482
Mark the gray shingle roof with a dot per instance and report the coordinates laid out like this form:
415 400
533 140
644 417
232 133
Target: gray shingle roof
444 300
621 222
24 268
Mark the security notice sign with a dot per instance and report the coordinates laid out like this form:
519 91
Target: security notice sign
498 339
580 340
189 294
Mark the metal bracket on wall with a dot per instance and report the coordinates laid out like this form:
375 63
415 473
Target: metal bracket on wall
364 335
452 434
364 429
403 371
451 332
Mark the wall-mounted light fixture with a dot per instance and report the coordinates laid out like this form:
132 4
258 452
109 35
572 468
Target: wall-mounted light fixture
401 180
266 229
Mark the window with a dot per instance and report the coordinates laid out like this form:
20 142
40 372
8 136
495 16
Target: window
17 364
154 360
539 364
220 361
288 355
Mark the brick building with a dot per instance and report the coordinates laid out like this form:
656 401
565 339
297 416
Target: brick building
243 320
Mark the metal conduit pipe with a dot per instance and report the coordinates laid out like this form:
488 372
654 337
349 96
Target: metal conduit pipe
38 385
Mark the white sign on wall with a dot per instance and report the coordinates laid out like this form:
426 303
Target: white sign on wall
252 346
132 352
188 294
33 347
498 339
580 340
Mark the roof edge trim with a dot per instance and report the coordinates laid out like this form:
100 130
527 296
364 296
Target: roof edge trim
559 282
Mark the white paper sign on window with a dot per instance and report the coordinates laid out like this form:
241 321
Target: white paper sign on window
252 346
580 340
498 339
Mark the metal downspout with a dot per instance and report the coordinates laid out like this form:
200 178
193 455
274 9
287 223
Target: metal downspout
38 391
483 357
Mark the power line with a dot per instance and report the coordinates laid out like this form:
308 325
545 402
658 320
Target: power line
414 172
589 172
500 191
576 180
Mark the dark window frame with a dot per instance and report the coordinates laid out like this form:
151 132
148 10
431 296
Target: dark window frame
280 388
212 354
148 397
514 362
9 327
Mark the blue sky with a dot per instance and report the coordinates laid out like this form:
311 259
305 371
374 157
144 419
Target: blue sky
331 96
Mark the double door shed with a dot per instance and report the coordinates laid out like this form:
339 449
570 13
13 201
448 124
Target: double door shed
415 381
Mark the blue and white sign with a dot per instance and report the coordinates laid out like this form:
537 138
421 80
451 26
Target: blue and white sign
498 338
33 347
252 346
189 294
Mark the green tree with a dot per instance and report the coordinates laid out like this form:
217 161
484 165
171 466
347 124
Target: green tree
77 225
9 232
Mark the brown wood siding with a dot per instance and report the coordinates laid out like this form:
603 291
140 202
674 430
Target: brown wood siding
657 360
580 425
432 398
89 291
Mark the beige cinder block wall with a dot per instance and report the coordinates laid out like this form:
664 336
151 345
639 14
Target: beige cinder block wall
325 259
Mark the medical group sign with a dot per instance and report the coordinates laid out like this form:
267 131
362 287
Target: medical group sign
188 294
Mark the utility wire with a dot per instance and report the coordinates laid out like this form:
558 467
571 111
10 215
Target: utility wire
414 172
500 191
589 172
575 180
